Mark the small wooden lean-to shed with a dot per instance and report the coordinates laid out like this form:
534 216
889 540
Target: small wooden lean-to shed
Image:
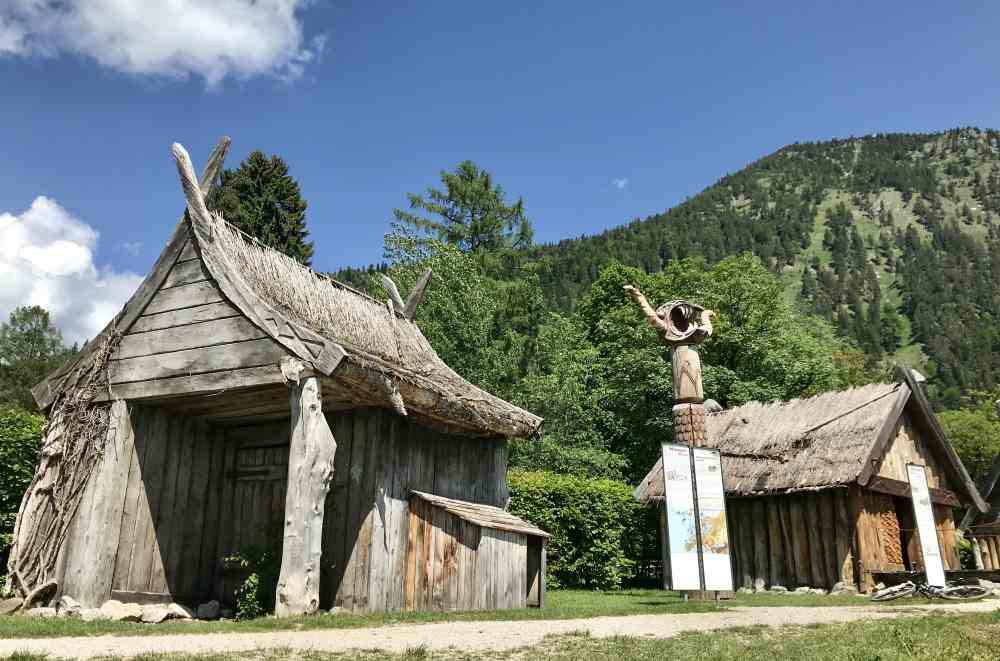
817 490
470 556
983 528
238 396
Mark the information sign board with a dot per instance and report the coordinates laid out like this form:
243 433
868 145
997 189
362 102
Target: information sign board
711 504
682 537
924 513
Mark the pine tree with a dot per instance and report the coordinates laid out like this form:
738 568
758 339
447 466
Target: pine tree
263 200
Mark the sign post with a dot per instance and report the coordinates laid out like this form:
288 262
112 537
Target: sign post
696 525
923 511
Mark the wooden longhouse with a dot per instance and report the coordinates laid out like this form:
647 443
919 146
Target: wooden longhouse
817 490
244 396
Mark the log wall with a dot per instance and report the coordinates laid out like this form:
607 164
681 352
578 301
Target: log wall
989 551
452 564
791 540
164 518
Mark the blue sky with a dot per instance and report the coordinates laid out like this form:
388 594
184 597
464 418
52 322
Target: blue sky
594 114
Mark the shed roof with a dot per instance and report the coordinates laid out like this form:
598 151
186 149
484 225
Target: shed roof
986 523
832 439
334 328
486 516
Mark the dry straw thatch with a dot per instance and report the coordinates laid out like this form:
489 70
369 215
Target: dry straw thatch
801 444
376 338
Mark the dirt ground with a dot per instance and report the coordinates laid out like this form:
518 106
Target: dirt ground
469 636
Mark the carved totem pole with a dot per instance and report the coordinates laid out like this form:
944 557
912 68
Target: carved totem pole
682 325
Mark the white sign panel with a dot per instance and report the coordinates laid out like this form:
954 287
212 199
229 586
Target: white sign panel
679 502
712 519
924 512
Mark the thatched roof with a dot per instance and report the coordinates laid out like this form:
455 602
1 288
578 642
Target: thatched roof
813 443
367 346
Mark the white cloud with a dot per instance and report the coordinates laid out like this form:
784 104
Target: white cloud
620 183
173 38
47 259
132 247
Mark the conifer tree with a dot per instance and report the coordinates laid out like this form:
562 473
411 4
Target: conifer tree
263 200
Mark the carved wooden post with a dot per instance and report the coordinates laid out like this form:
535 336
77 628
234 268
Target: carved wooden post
310 470
682 325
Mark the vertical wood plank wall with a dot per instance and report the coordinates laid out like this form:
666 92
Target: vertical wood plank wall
989 550
380 458
791 540
455 565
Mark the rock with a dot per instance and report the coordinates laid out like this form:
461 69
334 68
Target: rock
154 613
92 614
178 612
817 591
336 610
67 605
119 612
878 586
745 590
8 606
209 610
759 585
803 590
42 611
780 589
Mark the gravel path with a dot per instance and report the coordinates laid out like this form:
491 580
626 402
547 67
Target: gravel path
470 636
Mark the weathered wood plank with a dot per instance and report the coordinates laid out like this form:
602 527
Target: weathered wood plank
760 539
194 384
194 526
123 557
188 253
92 564
184 445
185 273
776 558
210 555
185 296
252 353
164 521
800 543
152 477
184 317
357 504
335 524
192 336
843 529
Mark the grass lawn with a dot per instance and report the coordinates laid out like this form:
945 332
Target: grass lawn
561 604
917 638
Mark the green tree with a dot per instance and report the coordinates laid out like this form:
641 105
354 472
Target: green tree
20 440
263 200
30 348
471 213
975 435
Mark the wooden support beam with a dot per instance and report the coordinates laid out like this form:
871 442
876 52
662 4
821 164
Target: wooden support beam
901 489
310 472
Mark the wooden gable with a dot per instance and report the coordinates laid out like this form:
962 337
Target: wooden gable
189 338
911 446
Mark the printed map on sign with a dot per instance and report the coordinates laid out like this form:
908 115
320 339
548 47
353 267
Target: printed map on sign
714 538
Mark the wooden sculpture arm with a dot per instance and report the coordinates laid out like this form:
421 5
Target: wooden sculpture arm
647 310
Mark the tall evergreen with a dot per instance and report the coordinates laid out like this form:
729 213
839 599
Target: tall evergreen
263 200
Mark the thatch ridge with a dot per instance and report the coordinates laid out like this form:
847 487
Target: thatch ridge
802 444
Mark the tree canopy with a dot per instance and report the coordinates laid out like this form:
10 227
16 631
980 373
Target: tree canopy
263 200
30 348
471 213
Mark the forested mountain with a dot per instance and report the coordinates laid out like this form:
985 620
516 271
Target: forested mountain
893 238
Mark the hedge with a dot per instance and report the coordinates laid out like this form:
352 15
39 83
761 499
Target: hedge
20 440
596 527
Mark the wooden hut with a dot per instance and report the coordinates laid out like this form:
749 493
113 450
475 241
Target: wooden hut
471 556
240 396
817 490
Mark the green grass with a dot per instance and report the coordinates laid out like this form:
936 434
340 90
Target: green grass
916 638
561 604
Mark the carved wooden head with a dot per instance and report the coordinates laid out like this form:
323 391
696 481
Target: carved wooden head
684 323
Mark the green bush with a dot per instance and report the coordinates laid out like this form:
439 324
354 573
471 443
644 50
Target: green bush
20 440
596 527
262 564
